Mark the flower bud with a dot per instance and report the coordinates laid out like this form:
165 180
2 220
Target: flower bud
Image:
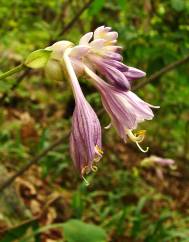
54 70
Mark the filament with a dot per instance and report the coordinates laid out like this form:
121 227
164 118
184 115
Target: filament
136 138
85 180
140 148
108 126
94 168
98 151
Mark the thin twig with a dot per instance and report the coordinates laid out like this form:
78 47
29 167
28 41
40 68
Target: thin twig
161 72
35 160
73 21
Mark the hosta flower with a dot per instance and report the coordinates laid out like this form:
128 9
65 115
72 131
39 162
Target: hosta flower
156 160
104 57
158 163
125 108
100 53
98 56
162 161
85 139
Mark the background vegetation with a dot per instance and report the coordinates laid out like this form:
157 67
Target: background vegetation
126 201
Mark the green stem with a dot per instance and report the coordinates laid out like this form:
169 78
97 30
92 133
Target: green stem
13 71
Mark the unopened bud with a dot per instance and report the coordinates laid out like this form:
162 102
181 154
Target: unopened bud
54 70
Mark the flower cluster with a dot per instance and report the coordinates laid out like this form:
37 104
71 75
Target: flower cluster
98 56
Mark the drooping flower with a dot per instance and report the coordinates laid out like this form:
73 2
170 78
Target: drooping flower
98 56
100 53
125 109
85 138
104 57
158 163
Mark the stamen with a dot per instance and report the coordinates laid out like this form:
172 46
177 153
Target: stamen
140 148
136 138
85 180
98 150
141 133
108 126
85 170
94 168
98 154
97 159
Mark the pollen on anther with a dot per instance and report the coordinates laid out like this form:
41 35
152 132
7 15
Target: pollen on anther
94 168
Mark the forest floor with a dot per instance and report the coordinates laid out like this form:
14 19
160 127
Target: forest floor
47 202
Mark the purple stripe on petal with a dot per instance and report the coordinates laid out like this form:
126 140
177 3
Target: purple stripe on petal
113 56
118 65
85 136
114 76
126 109
134 73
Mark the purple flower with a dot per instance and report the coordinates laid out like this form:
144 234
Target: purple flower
98 55
125 109
85 139
162 161
105 58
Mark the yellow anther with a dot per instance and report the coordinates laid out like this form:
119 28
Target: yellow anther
135 138
140 133
98 150
138 137
94 168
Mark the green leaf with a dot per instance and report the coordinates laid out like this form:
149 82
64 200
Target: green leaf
77 231
38 58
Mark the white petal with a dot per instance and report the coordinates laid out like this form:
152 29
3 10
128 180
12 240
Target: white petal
98 32
86 38
79 51
97 44
111 36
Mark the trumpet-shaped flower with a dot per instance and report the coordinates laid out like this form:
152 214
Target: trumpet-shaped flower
85 139
125 109
98 56
104 57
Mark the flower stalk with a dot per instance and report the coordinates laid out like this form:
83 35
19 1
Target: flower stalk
11 72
